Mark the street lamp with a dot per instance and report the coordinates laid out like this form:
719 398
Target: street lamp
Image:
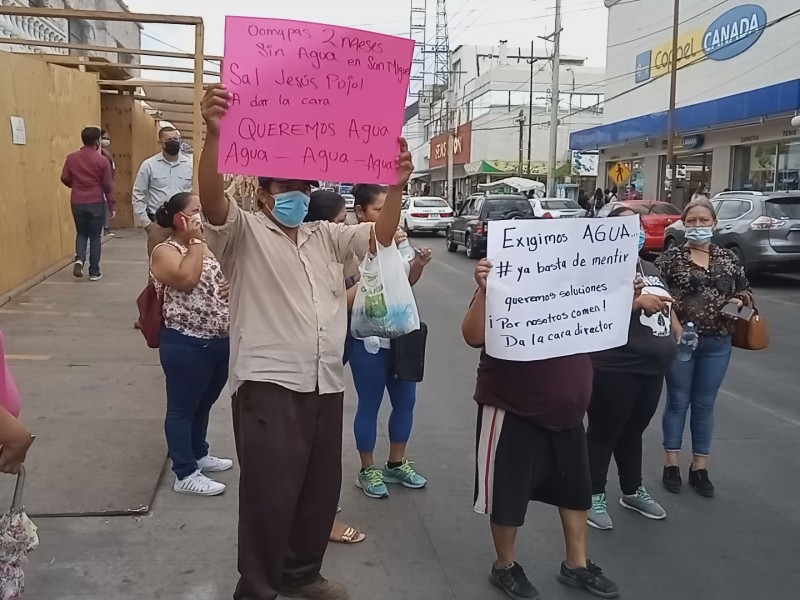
796 121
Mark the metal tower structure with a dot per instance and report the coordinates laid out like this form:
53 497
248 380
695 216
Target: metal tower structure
441 49
418 26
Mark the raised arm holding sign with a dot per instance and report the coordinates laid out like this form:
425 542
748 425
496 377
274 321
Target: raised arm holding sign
313 101
559 288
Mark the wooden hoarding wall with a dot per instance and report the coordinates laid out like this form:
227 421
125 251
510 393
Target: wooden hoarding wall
134 138
36 227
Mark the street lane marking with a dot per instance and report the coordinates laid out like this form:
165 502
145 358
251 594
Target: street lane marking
778 300
27 357
780 415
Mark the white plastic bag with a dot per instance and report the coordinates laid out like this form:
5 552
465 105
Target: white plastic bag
384 305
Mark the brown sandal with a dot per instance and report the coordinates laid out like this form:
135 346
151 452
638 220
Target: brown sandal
351 535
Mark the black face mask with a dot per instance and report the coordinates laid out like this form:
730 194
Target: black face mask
172 147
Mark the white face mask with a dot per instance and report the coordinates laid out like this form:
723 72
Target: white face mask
197 218
105 143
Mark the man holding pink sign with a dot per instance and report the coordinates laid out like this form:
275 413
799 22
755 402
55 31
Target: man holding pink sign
288 304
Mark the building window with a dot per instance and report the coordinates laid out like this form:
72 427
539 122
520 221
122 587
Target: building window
457 75
79 33
37 3
767 167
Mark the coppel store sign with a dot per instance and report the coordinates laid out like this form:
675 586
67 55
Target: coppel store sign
729 35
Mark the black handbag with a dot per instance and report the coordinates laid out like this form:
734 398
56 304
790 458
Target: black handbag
408 355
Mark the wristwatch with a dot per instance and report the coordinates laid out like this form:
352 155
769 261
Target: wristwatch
195 241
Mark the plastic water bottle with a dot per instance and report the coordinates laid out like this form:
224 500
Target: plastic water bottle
687 343
406 251
372 344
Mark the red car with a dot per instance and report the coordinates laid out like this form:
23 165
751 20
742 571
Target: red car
655 217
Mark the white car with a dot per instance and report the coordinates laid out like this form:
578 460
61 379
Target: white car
556 208
426 213
349 201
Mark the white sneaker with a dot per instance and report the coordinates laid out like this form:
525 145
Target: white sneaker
211 464
198 484
95 277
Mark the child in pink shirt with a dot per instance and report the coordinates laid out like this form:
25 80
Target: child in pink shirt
15 438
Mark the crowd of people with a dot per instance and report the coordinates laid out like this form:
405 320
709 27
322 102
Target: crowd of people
261 301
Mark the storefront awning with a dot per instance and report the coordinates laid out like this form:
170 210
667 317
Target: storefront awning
773 100
504 167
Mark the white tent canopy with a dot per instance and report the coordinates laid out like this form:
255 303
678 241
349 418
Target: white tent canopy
519 184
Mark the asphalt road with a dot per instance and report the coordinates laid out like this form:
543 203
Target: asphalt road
740 545
430 545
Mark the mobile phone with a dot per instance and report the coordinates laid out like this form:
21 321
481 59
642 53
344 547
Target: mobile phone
732 310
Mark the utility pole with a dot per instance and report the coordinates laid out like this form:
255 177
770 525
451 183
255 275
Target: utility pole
673 82
554 99
530 109
520 120
451 199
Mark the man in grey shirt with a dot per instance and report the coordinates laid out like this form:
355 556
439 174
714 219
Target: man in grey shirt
160 177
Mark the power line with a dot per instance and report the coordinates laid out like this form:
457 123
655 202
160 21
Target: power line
708 10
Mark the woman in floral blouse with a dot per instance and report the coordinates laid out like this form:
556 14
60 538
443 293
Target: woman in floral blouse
702 278
194 345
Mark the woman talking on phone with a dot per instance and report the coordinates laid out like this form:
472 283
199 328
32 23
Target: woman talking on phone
702 279
194 342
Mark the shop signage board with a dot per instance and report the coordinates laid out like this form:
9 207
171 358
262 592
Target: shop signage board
727 36
619 173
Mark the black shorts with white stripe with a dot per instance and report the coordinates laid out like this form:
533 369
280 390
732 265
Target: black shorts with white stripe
518 461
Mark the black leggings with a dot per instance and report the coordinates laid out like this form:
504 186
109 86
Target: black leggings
621 408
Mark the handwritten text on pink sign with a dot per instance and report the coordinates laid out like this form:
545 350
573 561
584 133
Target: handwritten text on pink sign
313 101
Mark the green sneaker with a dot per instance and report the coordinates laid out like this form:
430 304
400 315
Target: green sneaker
405 475
370 481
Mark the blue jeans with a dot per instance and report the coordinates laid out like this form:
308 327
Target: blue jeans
196 370
89 222
372 374
695 383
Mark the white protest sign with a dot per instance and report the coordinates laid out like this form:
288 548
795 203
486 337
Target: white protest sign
559 286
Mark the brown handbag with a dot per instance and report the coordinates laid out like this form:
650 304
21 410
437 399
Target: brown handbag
752 334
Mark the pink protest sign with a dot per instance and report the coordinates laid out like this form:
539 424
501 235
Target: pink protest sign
313 101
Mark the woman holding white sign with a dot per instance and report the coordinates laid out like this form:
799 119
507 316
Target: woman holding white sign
625 393
531 445
702 278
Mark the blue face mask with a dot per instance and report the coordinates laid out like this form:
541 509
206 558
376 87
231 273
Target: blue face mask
699 234
642 238
291 208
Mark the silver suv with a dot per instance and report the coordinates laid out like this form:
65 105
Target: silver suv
762 228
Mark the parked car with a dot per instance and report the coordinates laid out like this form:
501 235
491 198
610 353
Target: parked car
656 216
349 201
556 208
470 226
425 213
762 228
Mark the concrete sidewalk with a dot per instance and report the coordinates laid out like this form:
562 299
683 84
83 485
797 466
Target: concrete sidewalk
184 547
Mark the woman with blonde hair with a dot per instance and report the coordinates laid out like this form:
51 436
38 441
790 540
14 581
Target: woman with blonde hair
702 278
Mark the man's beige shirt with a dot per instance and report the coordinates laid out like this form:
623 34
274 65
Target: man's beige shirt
288 303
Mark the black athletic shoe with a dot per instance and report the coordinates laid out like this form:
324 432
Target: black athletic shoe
672 479
701 483
590 579
513 582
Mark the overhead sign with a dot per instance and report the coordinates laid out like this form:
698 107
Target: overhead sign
729 35
619 173
559 287
462 147
313 101
734 32
585 164
691 142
